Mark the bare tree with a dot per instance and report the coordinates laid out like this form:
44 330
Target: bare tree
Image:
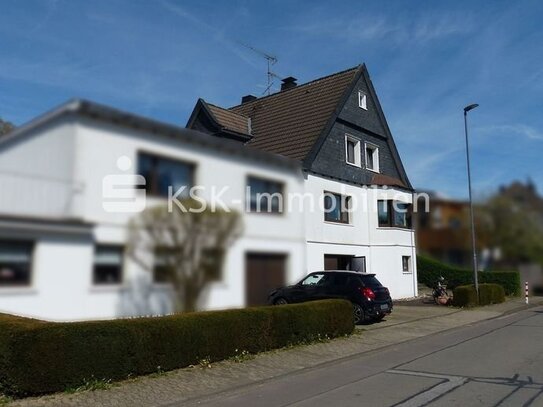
184 247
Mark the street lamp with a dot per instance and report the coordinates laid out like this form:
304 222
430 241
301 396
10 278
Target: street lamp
474 248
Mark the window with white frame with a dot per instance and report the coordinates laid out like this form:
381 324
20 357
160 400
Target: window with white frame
372 157
108 264
362 100
352 151
394 214
336 207
406 264
15 263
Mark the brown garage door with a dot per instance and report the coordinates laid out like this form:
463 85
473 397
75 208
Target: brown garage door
263 273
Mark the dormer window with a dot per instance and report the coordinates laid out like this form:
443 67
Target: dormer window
372 157
352 151
362 100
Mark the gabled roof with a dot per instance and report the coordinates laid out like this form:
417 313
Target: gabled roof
230 120
221 122
289 122
297 121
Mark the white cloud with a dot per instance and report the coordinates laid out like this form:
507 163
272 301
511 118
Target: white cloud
518 129
397 29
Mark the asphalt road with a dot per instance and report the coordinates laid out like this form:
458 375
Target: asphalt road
497 362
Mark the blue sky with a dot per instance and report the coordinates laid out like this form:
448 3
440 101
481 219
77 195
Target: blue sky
427 60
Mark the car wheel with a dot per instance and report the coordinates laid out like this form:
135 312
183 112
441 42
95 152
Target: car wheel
358 312
280 301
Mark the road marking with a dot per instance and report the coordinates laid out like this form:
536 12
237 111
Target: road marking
451 382
422 399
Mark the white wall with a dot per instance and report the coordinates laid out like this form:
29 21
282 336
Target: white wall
36 172
84 152
62 287
382 247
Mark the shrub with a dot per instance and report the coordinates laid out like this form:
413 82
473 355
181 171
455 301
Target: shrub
491 294
40 357
466 296
429 270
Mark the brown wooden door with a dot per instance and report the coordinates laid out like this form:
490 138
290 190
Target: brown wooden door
336 262
263 273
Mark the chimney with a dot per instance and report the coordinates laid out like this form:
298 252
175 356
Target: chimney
248 98
289 83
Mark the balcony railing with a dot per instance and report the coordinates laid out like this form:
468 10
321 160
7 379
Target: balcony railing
38 196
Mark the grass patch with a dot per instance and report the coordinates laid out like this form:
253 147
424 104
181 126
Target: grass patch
91 385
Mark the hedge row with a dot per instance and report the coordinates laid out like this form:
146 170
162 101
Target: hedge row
466 295
39 357
429 270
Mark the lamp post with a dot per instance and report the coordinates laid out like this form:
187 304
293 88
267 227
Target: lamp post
474 247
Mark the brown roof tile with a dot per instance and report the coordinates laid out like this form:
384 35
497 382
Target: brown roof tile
230 120
289 122
381 179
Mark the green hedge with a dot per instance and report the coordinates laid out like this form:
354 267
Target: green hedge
38 357
466 295
491 294
429 270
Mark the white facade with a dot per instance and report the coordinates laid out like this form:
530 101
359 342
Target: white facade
54 171
61 284
382 248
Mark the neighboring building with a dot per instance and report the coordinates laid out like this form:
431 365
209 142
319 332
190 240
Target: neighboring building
61 253
524 195
66 252
443 232
335 127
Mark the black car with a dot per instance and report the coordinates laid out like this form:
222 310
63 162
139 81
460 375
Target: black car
371 301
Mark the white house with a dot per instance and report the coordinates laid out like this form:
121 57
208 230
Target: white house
336 129
325 142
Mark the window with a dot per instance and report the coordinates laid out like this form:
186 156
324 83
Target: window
372 157
358 263
161 173
383 213
313 279
394 214
345 262
362 100
406 264
336 208
15 263
370 281
352 151
264 195
108 265
211 263
162 270
319 279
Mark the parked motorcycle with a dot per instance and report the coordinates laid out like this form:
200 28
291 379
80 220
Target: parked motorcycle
440 294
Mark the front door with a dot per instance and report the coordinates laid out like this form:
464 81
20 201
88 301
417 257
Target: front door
337 262
264 272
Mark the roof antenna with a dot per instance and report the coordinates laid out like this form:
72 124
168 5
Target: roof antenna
271 60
